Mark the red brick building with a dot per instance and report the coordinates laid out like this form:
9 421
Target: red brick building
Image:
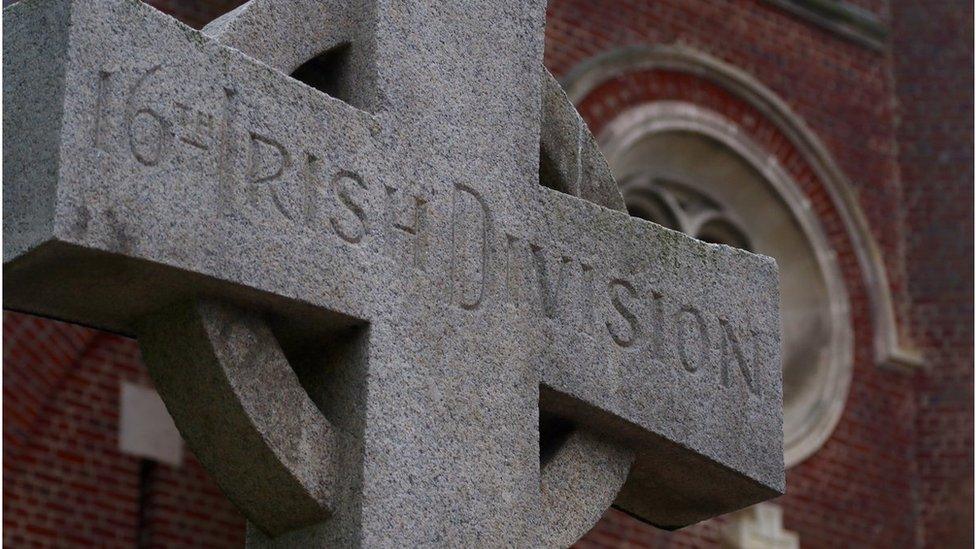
835 135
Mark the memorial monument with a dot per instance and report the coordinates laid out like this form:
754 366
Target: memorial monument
380 273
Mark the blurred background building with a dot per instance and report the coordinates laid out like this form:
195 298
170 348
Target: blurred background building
834 135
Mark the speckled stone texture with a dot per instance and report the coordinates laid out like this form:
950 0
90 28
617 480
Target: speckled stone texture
382 320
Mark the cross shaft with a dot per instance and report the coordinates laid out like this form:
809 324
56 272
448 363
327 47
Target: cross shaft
408 265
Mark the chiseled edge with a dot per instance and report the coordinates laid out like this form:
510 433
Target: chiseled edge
35 44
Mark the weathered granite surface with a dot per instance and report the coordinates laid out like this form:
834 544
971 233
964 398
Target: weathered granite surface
357 310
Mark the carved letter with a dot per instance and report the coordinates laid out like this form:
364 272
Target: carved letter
690 316
587 305
511 267
620 305
414 230
260 169
255 173
730 341
100 98
460 244
224 151
151 152
657 323
358 229
311 209
199 126
548 292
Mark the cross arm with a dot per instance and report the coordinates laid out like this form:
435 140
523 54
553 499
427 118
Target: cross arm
147 163
669 344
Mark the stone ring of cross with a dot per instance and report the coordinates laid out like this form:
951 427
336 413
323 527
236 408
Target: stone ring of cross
380 273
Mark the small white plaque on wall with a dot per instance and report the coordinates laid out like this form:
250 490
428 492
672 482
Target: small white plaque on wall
146 428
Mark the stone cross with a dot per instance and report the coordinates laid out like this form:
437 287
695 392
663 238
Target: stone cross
393 299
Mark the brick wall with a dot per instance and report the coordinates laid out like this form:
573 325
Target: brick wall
934 73
895 470
66 484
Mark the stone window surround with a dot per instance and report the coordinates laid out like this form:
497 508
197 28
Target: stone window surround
890 347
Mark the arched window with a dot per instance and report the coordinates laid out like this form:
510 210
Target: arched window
694 171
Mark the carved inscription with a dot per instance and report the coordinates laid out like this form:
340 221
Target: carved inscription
313 190
267 159
693 338
198 126
732 353
226 182
101 94
551 285
622 293
588 297
541 278
636 319
350 222
246 159
412 223
484 265
471 231
149 133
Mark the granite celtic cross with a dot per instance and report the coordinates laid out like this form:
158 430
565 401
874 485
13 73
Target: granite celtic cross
378 315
